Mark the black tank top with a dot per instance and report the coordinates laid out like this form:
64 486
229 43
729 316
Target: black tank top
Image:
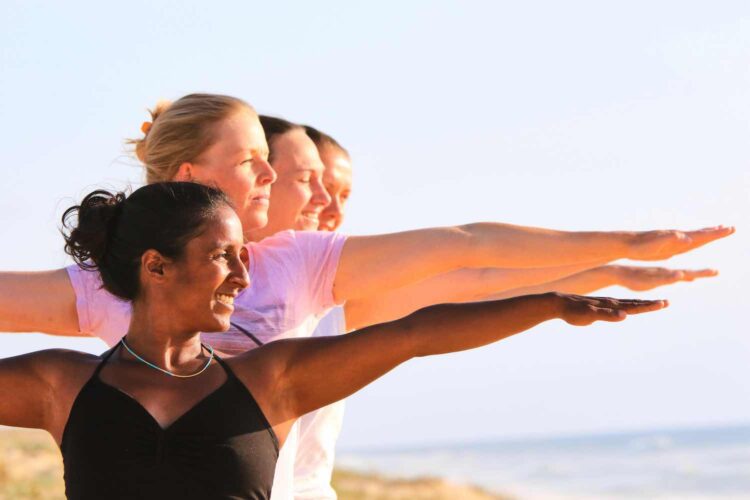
222 448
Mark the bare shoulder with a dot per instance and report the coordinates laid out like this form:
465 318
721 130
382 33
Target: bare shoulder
61 367
262 367
64 358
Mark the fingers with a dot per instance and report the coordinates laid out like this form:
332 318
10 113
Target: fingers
690 275
644 307
582 310
628 306
611 315
646 278
707 235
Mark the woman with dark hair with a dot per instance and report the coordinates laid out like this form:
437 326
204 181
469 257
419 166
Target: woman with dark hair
173 419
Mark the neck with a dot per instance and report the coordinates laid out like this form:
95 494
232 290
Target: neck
258 234
154 336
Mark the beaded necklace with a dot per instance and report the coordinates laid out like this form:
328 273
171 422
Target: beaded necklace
210 358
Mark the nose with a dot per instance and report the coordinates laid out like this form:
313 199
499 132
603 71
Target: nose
266 173
238 275
333 212
320 194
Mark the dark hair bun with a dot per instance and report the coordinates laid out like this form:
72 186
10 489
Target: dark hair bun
88 239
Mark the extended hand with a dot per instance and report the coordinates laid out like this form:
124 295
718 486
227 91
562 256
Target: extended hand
580 310
647 278
658 245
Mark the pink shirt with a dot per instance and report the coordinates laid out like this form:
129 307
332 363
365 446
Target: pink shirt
291 288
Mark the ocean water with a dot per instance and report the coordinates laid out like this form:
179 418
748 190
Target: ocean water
706 463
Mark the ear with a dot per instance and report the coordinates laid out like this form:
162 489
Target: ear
153 266
184 173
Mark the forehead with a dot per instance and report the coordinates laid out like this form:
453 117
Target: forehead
221 228
338 169
240 132
293 150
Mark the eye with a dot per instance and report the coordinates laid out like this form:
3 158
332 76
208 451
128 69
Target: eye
222 255
306 178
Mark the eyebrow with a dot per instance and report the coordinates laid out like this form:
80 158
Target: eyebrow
251 151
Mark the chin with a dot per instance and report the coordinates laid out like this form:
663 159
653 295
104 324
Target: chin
307 226
217 325
254 220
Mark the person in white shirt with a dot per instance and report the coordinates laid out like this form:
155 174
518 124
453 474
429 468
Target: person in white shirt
319 431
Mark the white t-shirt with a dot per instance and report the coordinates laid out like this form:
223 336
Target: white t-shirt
318 432
291 288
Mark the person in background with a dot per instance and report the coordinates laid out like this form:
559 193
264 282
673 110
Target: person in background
319 430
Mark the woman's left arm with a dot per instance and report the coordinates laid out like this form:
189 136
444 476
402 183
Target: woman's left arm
369 265
462 285
636 278
295 376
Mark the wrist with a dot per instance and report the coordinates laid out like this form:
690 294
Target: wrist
554 304
611 274
626 241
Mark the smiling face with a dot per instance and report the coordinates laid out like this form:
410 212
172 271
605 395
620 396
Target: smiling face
337 179
237 163
206 278
298 196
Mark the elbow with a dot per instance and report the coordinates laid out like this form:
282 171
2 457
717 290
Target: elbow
462 245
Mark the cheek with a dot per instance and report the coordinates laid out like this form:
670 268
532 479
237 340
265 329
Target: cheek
289 197
240 188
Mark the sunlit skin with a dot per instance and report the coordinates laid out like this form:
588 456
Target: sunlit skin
477 284
373 268
237 163
206 278
298 195
287 378
337 179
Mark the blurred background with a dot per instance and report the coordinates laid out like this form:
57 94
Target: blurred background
574 115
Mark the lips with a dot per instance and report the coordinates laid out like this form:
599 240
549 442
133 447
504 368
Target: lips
261 198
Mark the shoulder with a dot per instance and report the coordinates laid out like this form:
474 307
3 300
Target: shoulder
58 367
280 240
291 240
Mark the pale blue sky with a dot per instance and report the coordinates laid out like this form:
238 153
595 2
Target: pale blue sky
575 116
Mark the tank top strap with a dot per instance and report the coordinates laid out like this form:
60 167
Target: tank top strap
226 368
107 354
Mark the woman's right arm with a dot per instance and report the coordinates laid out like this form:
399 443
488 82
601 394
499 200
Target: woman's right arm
37 389
295 376
634 278
42 301
26 394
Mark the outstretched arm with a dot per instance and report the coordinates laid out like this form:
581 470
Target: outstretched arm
37 389
463 285
295 376
41 301
632 277
26 396
371 264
